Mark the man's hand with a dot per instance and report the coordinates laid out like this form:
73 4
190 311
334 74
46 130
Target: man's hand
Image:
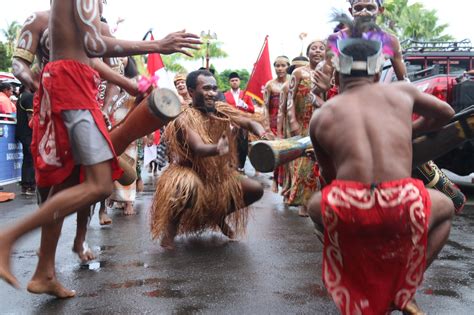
223 145
177 42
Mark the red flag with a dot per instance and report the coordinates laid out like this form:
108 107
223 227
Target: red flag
261 74
155 66
155 62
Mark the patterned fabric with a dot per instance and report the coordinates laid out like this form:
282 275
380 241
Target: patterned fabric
65 85
374 243
274 106
304 182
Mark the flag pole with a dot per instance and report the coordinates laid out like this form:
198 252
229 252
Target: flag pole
255 64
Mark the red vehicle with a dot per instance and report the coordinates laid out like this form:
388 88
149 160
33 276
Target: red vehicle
445 70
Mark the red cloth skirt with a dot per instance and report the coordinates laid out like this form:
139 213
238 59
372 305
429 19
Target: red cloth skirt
374 243
65 85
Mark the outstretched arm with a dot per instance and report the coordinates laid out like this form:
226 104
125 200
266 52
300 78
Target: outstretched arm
97 45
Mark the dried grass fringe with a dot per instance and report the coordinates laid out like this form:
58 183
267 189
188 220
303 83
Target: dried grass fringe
204 192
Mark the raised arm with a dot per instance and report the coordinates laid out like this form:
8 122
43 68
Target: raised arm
97 45
25 51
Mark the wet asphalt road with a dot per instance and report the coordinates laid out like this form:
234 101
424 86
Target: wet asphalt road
275 269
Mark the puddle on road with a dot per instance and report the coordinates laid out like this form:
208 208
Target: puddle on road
97 265
142 283
165 293
442 292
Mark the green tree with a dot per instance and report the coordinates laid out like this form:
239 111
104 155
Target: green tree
5 60
11 35
172 64
413 22
215 52
223 79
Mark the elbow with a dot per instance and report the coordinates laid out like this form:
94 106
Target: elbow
94 46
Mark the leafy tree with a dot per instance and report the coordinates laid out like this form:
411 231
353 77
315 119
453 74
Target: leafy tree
223 79
172 63
413 22
11 35
215 51
5 60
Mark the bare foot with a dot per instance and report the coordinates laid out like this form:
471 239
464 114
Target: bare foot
84 252
104 219
412 308
303 212
51 287
275 187
5 273
128 210
167 242
227 231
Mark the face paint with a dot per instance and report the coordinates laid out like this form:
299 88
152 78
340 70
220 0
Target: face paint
88 11
30 20
365 8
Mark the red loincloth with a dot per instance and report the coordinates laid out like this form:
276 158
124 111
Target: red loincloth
65 85
374 243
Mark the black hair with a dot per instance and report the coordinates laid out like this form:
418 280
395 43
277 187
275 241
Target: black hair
131 70
293 67
191 79
5 86
211 70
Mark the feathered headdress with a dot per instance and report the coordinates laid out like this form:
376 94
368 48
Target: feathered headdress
362 32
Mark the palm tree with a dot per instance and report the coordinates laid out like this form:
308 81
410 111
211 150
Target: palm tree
215 51
11 35
172 63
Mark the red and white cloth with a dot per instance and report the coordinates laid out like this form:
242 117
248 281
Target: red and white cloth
375 242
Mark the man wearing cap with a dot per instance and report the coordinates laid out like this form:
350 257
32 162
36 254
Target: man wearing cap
236 98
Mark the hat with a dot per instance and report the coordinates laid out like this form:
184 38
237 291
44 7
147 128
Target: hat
234 75
179 77
369 64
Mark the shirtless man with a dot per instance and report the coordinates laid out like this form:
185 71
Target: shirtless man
382 228
75 37
34 41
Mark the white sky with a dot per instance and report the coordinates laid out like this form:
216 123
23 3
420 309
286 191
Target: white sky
241 25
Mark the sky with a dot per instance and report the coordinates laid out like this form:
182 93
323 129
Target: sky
240 25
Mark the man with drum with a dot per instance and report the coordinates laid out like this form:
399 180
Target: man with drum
69 128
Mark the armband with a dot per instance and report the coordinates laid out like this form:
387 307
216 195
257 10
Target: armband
24 54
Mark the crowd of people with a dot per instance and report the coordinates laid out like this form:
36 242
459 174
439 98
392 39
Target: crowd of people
380 227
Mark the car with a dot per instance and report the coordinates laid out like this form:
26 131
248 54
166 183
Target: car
445 70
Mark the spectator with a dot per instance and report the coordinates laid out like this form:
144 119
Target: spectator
6 105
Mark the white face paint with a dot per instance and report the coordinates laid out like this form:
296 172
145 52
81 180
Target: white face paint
88 11
25 40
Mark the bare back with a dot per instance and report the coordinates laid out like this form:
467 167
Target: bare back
66 38
365 134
